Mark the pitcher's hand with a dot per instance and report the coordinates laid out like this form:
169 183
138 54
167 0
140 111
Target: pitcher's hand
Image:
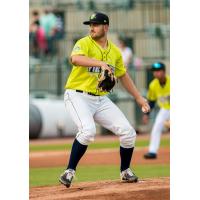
104 66
143 103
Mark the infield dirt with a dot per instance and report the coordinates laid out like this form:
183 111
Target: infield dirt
93 157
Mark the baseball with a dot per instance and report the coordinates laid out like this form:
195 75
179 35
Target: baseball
144 110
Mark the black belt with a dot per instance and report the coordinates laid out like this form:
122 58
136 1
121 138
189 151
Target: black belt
81 91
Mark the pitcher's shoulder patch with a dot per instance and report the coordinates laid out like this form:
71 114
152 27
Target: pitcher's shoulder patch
76 48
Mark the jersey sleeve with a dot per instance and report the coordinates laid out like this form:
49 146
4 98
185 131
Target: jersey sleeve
80 48
120 69
151 95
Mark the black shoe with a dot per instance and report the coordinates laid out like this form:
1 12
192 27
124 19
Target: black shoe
150 155
128 176
66 177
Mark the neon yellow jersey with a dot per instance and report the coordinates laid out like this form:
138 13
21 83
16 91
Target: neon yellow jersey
85 78
159 93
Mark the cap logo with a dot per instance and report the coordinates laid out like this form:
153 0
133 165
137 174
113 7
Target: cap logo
104 20
93 16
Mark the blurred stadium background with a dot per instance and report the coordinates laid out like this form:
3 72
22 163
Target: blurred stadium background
145 24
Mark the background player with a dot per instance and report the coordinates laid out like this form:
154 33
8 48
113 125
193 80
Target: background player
87 105
159 91
127 53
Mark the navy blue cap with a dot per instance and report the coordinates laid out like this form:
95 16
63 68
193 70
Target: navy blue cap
97 18
157 66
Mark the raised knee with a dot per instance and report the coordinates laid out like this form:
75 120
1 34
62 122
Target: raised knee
127 140
86 135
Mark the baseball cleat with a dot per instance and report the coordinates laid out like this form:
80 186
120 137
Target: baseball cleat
128 176
66 177
150 155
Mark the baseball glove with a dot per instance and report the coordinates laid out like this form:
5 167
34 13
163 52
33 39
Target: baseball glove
106 81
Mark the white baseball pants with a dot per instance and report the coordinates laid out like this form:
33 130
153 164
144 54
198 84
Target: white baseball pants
156 132
85 110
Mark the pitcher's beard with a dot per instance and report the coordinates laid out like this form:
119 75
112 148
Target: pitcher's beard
97 37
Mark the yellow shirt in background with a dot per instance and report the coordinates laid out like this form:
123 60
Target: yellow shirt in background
85 78
159 93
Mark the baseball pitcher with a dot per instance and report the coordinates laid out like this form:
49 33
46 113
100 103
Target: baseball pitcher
97 63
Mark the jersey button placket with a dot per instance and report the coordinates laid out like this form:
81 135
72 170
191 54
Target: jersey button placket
104 56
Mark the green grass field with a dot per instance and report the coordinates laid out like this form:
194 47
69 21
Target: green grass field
49 176
96 145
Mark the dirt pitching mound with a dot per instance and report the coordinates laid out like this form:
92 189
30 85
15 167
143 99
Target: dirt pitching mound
151 189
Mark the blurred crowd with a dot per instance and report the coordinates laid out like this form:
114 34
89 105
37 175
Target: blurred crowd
45 29
131 60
